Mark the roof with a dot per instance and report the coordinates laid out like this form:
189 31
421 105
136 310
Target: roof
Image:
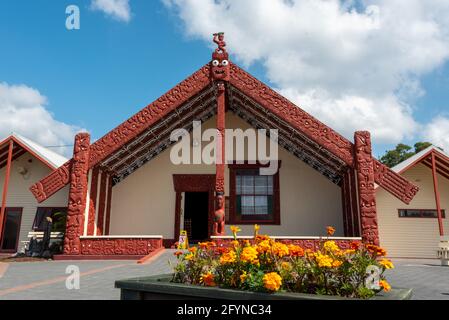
406 164
22 145
424 157
143 136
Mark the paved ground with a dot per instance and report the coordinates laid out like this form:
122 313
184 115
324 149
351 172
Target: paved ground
47 280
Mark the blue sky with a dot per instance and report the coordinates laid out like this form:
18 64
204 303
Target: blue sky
96 77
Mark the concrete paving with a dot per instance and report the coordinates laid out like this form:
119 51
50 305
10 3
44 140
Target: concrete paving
47 280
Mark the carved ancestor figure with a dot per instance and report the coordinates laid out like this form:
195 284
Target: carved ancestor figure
219 217
219 40
220 69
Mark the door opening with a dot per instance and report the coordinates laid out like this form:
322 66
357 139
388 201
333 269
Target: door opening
196 215
11 230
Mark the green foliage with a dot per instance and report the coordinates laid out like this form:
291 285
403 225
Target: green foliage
401 153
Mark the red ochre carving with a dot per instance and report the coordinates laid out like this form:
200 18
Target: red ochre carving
53 182
77 195
219 66
117 246
366 187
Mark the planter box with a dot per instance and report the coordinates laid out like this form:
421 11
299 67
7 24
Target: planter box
160 288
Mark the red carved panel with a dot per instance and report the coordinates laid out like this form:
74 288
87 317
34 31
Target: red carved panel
119 246
142 120
93 202
296 117
394 183
101 205
367 193
52 183
77 194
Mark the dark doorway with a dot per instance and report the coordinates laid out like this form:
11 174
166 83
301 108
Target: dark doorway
196 215
11 230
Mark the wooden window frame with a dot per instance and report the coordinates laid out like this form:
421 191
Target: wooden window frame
233 215
443 214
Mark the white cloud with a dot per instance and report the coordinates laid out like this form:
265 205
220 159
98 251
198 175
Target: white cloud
437 131
118 9
23 111
353 64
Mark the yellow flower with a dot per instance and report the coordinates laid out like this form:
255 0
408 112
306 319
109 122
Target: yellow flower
272 281
235 243
323 260
331 246
385 285
243 277
279 249
189 257
264 246
228 257
295 251
286 266
387 264
349 251
249 254
235 229
330 231
256 227
208 280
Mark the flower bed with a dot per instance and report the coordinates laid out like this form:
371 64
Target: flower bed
265 265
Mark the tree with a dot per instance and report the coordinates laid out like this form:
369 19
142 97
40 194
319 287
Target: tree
402 152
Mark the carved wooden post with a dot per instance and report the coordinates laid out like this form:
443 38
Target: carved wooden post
365 179
220 74
77 195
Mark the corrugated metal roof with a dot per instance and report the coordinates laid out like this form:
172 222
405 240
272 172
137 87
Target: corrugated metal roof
52 158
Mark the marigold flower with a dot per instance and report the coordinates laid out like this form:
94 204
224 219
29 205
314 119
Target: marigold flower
387 264
264 246
336 263
349 251
193 249
228 257
331 246
256 227
208 279
189 257
260 238
235 230
286 266
178 253
330 231
243 277
272 281
355 245
235 243
323 260
249 254
376 250
279 249
385 285
295 251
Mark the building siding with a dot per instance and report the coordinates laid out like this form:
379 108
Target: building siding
144 203
20 196
412 237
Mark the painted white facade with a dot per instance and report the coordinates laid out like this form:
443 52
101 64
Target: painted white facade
412 237
19 195
144 203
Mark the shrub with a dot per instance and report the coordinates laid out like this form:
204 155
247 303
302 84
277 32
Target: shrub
265 265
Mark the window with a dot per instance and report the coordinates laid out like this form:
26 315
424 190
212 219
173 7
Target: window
58 216
420 213
254 198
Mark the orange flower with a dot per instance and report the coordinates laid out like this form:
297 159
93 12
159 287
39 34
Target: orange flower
355 245
385 285
193 249
178 253
279 249
272 281
295 251
228 257
376 250
330 231
235 229
208 280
